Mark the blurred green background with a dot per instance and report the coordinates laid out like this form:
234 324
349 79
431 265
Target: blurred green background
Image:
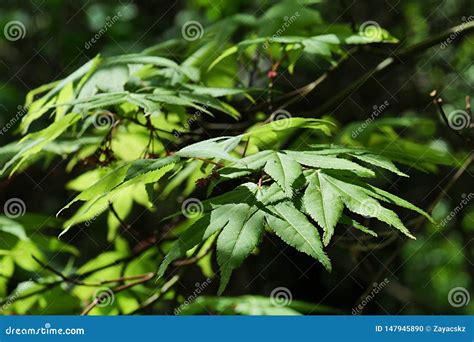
425 270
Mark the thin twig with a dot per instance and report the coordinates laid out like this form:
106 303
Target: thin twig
245 147
194 259
468 105
47 287
117 216
438 101
155 297
118 289
303 91
51 269
404 54
82 283
209 161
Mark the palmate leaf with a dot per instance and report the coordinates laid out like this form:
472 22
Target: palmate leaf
35 142
380 162
239 217
101 186
350 221
148 102
367 156
115 184
391 198
322 45
221 147
237 240
9 154
108 75
359 202
269 135
284 170
285 167
191 73
37 108
210 101
295 229
218 148
323 204
327 181
328 162
216 92
201 230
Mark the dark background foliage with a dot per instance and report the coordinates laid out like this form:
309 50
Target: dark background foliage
421 273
